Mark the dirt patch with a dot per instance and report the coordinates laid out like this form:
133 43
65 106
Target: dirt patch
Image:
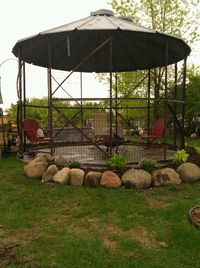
145 237
162 202
7 254
141 234
9 244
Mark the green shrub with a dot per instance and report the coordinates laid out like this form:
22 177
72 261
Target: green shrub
147 164
74 164
117 162
198 150
180 157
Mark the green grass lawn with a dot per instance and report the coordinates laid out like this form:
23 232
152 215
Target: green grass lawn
49 225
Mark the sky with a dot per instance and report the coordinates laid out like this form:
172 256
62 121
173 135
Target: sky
23 18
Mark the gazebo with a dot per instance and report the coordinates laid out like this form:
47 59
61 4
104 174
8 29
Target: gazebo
104 43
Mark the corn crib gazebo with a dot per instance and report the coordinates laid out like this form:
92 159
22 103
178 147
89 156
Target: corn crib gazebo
103 43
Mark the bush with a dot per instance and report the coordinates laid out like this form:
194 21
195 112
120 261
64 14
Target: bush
180 157
117 162
147 164
74 164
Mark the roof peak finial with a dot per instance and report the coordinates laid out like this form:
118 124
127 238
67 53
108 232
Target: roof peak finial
102 12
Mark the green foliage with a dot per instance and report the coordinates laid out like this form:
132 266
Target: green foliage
118 161
74 164
147 164
66 112
192 92
180 157
193 101
198 151
168 16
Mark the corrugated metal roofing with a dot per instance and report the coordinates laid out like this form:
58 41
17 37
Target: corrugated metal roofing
133 46
100 20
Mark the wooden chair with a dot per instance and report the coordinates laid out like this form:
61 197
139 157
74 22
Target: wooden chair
31 127
154 133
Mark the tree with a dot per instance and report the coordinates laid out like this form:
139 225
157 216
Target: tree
192 116
180 18
70 111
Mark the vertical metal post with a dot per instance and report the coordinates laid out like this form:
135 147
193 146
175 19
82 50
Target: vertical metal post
165 100
24 91
116 104
148 102
81 88
116 111
110 106
50 126
20 112
175 106
183 105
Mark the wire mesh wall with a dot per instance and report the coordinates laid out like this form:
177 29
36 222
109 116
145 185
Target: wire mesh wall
90 130
93 129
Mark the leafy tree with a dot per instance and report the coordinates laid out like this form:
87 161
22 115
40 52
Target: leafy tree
180 18
192 116
70 111
192 96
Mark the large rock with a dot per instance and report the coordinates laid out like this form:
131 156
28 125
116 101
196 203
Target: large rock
62 176
110 179
47 159
49 173
42 159
37 167
189 172
60 162
50 158
92 179
35 170
136 178
76 176
165 176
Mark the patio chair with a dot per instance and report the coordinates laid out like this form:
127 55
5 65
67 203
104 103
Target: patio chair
35 136
102 132
155 133
100 126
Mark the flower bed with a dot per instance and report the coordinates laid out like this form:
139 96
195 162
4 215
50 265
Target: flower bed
49 170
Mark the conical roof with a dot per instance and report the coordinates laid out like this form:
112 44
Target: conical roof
78 46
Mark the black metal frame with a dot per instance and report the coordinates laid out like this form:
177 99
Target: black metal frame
114 102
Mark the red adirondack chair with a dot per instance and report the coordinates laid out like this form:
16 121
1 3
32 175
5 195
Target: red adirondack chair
154 133
30 127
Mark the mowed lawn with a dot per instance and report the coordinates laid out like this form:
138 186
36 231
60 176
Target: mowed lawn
50 225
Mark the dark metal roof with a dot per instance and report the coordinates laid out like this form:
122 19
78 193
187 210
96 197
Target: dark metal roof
133 47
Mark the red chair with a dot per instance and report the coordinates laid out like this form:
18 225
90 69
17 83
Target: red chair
30 127
154 133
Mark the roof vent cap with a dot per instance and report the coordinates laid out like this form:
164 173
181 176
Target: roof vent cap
102 12
126 18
